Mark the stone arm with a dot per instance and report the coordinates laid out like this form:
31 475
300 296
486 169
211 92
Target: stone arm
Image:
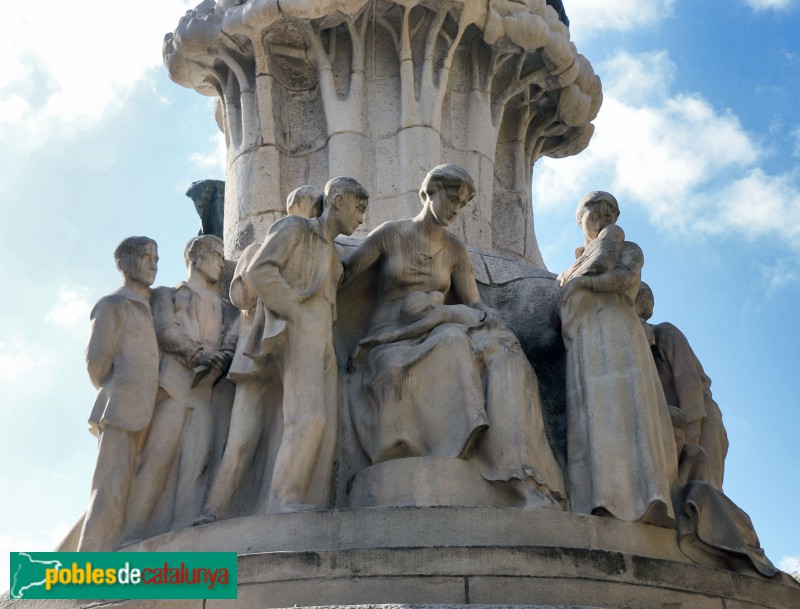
103 340
433 319
463 281
465 287
264 271
366 255
169 332
242 294
622 277
674 351
230 327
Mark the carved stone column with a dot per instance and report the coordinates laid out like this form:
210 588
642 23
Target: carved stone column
383 90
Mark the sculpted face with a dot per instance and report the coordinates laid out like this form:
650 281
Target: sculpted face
211 263
351 212
142 266
446 208
594 219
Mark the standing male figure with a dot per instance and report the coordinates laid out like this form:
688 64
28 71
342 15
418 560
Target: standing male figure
197 330
256 416
122 359
296 273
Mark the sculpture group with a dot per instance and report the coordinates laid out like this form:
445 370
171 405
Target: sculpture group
215 403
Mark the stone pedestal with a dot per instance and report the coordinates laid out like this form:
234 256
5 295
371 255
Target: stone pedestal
453 556
426 482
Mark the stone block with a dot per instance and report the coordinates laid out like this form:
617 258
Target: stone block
383 109
434 482
524 590
98 604
353 591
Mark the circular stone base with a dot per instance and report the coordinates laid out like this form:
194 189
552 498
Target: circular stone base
454 556
426 482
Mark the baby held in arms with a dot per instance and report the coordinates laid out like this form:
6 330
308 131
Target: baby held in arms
600 256
422 311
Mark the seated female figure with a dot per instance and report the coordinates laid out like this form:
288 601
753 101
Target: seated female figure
442 382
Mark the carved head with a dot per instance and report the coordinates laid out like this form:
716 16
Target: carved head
347 200
137 259
595 211
447 189
305 201
644 301
205 255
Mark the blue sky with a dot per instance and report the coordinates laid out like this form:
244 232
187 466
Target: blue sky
698 137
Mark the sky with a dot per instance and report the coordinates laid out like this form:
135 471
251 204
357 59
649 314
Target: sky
698 137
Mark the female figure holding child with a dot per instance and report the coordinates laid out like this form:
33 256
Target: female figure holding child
440 380
620 450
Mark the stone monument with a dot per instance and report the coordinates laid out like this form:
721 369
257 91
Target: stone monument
409 408
382 91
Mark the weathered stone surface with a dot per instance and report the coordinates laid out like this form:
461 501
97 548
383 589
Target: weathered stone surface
293 276
197 329
426 482
104 604
122 359
558 5
402 86
526 298
208 197
420 527
442 606
356 590
686 386
465 555
621 459
416 350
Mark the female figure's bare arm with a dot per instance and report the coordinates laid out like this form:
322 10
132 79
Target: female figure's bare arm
431 320
366 255
463 280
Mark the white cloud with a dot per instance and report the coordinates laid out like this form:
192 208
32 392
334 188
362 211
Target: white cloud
766 5
588 17
777 276
692 167
17 360
758 205
70 309
639 78
212 160
67 66
790 564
